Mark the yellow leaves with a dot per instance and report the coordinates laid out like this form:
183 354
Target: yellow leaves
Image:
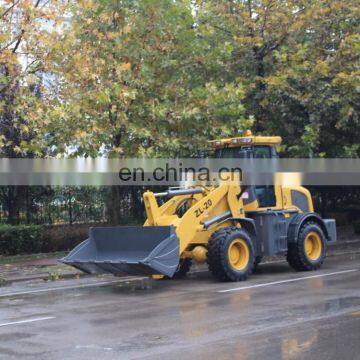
111 35
98 34
17 149
125 66
87 4
96 129
2 140
25 129
103 97
11 60
127 29
3 37
348 80
26 3
298 25
113 108
122 67
118 150
341 77
81 135
105 17
337 6
101 62
322 67
276 81
57 112
23 144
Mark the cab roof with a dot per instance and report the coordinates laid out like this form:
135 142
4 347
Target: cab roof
247 140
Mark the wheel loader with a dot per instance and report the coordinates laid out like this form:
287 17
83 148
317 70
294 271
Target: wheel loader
229 227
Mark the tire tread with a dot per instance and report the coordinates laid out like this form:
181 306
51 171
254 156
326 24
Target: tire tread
296 256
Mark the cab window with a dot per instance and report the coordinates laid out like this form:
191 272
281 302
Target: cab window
262 152
265 195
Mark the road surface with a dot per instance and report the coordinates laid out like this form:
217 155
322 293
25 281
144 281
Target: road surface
276 314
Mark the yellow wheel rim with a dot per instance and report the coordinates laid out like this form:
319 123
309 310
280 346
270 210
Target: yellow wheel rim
238 254
313 246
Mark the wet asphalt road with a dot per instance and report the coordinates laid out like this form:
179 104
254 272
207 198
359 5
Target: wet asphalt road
276 314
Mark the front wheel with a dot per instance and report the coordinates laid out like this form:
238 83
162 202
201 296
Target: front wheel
309 252
230 254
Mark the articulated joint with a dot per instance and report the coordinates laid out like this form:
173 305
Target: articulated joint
198 253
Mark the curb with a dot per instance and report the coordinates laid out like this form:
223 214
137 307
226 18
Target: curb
331 254
41 276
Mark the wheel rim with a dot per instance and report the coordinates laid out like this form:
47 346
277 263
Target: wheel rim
238 254
313 246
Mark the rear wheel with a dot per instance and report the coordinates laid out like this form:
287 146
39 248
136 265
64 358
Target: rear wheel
230 254
309 252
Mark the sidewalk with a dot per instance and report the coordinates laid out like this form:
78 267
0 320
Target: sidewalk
42 267
46 267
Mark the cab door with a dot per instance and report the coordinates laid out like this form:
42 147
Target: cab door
269 197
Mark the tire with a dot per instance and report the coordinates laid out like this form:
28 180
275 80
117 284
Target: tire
183 269
304 257
230 254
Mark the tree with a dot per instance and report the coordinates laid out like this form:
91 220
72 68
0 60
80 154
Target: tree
132 82
299 63
315 84
26 37
26 30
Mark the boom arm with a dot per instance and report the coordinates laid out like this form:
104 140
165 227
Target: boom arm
212 202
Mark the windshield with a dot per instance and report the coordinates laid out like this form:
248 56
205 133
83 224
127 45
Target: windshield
243 152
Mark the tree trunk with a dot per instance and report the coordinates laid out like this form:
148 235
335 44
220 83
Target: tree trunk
137 205
260 117
12 204
27 205
70 209
113 205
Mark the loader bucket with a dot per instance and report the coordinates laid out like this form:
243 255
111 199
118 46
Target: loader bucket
128 250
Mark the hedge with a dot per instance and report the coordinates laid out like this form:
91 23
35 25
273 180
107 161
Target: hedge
20 239
63 237
32 239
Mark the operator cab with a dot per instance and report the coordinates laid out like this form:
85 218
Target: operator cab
244 152
246 147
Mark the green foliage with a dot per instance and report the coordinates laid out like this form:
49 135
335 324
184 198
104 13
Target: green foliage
20 239
27 30
32 239
141 78
134 83
299 63
53 205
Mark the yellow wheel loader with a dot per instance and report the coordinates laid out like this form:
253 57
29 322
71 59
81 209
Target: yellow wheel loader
226 226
